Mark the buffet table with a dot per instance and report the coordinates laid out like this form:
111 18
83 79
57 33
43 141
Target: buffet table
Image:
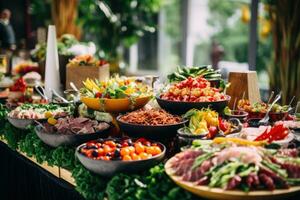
21 178
116 145
36 171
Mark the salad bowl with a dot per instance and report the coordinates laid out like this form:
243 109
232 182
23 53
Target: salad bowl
115 105
118 94
110 167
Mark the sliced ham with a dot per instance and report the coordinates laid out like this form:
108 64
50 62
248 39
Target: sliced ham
244 154
80 125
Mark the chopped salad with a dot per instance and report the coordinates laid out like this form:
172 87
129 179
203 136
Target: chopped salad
116 88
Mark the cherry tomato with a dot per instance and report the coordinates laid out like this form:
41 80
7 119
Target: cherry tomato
98 144
127 158
150 150
135 157
98 95
131 149
125 144
156 150
145 156
141 140
89 153
139 148
101 151
125 151
107 149
110 143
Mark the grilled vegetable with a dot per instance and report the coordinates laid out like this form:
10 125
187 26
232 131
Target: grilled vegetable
183 73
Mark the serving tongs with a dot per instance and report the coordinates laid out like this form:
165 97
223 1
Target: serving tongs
266 118
76 97
39 123
74 87
60 97
41 91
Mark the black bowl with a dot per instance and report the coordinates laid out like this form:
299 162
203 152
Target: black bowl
58 139
238 114
186 138
158 132
109 168
179 107
254 122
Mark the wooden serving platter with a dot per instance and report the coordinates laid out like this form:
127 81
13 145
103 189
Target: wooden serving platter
221 194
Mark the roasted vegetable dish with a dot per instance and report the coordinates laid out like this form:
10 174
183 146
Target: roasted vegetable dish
183 73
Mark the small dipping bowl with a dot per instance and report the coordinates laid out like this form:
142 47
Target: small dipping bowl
238 114
254 122
277 116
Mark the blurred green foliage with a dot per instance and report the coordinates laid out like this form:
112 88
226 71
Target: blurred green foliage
40 11
112 24
233 34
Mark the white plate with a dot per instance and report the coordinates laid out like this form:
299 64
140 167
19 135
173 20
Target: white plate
251 133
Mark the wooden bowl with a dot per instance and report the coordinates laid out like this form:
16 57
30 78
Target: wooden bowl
206 192
114 105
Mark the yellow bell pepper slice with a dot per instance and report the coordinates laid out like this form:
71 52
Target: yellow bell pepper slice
220 140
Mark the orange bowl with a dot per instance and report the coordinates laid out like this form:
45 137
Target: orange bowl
114 105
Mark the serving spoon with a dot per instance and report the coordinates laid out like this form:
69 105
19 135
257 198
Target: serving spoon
270 97
56 94
73 87
266 118
41 92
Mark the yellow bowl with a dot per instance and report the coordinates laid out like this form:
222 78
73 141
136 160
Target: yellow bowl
114 105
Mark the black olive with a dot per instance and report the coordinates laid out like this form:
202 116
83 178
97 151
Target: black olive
108 154
129 142
100 140
95 153
118 145
117 158
91 147
117 153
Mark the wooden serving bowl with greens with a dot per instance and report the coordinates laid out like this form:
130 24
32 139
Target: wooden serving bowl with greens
116 95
